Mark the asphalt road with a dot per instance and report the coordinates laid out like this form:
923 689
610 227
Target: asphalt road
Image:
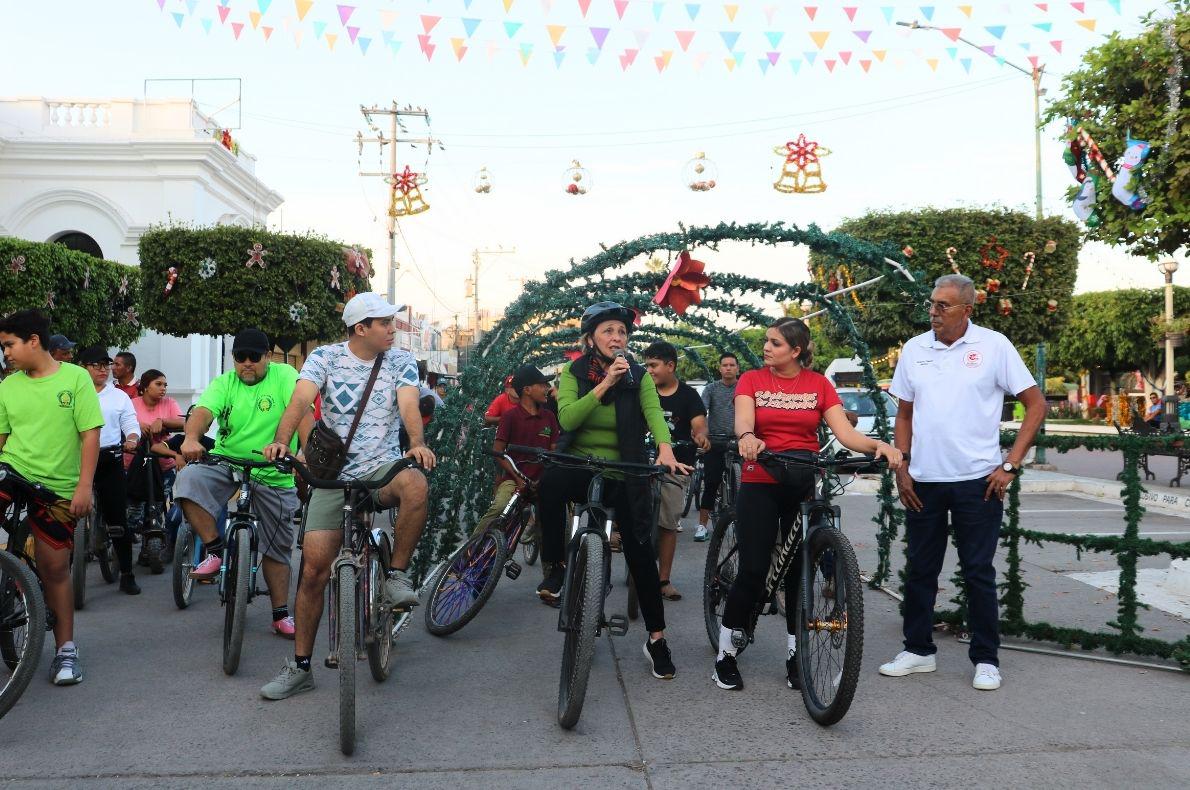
477 709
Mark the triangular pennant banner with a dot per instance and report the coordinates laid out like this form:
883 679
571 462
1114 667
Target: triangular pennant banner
830 64
1042 6
953 52
700 60
236 27
845 57
810 10
888 10
428 22
526 53
1033 60
583 6
352 33
966 10
730 37
730 63
1057 45
388 19
862 35
966 64
774 38
684 38
1115 4
658 8
559 56
508 5
795 64
556 32
990 49
621 7
663 59
819 37
263 5
345 12
764 65
1080 7
1043 26
731 10
600 35
254 18
739 58
180 18
364 42
952 33
1089 24
470 24
865 65
511 28
933 63
331 38
206 24
850 10
879 54
318 28
302 7
773 57
628 58
426 47
810 56
223 12
996 30
928 12
692 10
593 55
769 11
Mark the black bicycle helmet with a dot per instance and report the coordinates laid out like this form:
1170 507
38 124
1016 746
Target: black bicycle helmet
599 312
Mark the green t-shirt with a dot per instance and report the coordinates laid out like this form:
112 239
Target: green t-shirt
248 416
43 419
594 424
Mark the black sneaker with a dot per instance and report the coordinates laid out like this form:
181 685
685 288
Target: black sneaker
727 674
128 584
660 660
550 590
791 674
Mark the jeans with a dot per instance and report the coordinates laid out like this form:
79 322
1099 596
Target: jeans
976 524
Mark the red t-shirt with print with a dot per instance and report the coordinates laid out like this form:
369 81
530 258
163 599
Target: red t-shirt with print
788 412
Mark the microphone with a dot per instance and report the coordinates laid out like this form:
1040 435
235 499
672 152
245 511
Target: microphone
627 376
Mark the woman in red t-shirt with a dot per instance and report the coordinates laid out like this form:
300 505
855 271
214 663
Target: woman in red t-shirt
778 408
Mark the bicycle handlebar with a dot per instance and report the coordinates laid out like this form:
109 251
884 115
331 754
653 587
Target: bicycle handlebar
289 464
584 461
516 469
215 458
862 464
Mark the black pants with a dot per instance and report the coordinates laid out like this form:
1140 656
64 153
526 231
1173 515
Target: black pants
560 486
713 462
976 525
111 491
762 509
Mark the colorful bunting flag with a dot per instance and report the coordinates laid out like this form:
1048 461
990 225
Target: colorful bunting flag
730 37
928 12
263 5
865 65
810 10
966 10
658 8
888 10
684 38
254 18
559 56
388 19
933 63
795 64
845 56
850 10
318 28
663 59
364 42
862 35
966 62
731 10
583 6
556 32
819 37
178 18
1043 26
206 24
764 65
628 58
1089 24
352 33
470 25
952 33
996 30
692 10
223 12
621 7
345 12
511 28
428 22
600 35
1080 7
593 55
773 57
301 6
331 38
774 38
830 64
1057 45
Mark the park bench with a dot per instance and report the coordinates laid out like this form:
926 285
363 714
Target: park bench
1180 451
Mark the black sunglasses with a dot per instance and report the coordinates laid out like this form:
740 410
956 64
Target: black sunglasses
246 356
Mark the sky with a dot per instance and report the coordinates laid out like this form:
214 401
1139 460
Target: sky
930 122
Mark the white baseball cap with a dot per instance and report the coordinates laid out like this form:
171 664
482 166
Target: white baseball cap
367 305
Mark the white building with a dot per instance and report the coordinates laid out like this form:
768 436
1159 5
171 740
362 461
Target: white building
95 174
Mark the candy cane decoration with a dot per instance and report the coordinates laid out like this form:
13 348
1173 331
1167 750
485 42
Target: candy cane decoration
1096 154
173 277
1029 257
954 267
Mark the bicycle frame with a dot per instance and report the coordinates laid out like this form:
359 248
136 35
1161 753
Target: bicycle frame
237 521
359 539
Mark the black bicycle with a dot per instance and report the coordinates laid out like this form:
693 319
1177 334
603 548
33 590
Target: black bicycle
830 605
357 614
24 617
146 487
91 540
588 569
465 582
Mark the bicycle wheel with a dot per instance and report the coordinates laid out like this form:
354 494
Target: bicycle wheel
465 583
78 560
103 548
347 626
830 628
584 599
185 559
22 628
719 573
235 608
692 491
378 617
530 538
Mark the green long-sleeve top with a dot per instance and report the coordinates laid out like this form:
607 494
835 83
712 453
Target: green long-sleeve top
594 424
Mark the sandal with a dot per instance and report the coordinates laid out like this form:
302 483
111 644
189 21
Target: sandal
614 542
673 594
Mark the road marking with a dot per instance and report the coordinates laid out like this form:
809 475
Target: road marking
1143 533
1074 510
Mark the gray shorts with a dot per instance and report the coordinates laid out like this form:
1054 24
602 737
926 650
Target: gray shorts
673 497
210 487
325 509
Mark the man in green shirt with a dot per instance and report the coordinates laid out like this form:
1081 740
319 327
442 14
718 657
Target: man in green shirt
248 403
49 434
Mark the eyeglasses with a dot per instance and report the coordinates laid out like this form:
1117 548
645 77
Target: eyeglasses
247 356
930 305
98 365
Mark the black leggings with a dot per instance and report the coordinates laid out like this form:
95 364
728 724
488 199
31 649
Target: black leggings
111 491
560 486
760 509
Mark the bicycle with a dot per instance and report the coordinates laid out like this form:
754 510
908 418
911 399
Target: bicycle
588 571
468 578
357 577
152 522
830 606
24 617
91 539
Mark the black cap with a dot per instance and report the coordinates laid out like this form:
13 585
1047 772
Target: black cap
60 343
526 375
251 340
92 354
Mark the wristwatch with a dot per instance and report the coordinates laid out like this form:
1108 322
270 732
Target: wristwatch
1008 467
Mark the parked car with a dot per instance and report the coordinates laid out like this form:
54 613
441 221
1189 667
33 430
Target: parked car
860 402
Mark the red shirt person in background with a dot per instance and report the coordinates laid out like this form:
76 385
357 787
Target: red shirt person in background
506 400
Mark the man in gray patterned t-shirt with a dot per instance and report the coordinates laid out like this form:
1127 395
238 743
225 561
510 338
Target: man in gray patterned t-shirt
719 398
340 373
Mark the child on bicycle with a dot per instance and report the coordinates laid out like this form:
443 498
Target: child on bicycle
778 408
49 434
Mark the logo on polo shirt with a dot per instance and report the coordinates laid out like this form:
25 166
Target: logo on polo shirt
265 403
66 399
973 359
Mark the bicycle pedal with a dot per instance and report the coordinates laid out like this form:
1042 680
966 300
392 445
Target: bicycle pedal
332 661
616 624
512 569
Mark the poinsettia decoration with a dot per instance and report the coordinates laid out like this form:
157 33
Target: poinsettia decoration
572 355
683 287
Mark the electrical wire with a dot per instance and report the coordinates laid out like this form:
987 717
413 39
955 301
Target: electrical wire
417 268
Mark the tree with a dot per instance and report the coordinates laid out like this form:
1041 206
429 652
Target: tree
979 241
87 299
1113 331
227 278
1122 90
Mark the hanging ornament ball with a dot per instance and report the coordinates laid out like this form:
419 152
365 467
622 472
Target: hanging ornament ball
297 312
698 168
699 173
576 179
572 189
1050 246
483 182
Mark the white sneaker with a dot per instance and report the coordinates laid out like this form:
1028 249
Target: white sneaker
700 533
987 677
907 663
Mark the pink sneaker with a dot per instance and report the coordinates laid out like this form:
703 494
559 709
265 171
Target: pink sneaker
283 627
208 568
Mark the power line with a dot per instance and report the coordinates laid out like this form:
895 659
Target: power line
417 268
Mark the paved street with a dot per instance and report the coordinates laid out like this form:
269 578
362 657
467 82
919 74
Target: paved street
1106 465
477 709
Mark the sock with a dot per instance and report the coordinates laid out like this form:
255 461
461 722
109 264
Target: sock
792 642
67 646
280 613
303 662
393 570
216 546
726 648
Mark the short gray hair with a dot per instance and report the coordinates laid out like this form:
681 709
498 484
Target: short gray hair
964 285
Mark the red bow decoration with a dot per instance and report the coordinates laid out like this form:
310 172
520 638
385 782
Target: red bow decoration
801 152
405 181
684 284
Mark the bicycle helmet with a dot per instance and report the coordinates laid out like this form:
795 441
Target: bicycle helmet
599 312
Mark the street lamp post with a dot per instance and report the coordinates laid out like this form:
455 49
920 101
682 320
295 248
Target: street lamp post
1169 420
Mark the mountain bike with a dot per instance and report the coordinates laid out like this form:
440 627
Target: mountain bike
468 578
588 569
358 617
24 617
830 605
91 540
146 487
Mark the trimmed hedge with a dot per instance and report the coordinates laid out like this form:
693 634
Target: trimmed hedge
87 304
297 270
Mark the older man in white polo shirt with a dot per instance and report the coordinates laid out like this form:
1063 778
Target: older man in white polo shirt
951 383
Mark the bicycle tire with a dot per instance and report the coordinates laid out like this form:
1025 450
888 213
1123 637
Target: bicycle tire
185 559
719 574
103 548
235 608
692 491
78 561
828 687
22 627
378 620
531 538
347 657
466 582
584 591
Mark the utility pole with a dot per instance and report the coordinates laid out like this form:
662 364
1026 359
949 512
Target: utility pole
395 114
475 262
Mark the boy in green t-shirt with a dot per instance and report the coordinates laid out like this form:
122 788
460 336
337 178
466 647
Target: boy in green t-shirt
49 434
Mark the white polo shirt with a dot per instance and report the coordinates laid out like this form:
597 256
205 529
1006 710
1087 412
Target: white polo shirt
958 393
119 417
